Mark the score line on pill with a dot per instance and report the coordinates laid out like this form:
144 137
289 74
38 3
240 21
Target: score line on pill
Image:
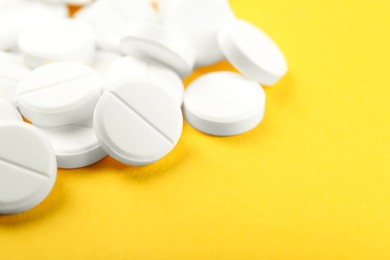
28 167
59 94
137 123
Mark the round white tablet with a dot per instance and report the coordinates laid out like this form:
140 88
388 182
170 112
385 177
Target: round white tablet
59 94
110 19
8 112
75 146
253 52
62 40
28 167
224 104
137 122
199 22
155 42
146 69
12 70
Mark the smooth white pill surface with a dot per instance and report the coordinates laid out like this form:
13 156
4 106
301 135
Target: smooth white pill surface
155 42
75 146
59 94
224 104
62 40
22 15
252 52
103 61
8 112
12 70
85 15
146 69
6 3
137 122
28 167
199 22
110 19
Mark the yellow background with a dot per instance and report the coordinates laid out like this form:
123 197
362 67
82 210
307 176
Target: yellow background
311 182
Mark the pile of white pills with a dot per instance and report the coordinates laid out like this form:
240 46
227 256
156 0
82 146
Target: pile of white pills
109 82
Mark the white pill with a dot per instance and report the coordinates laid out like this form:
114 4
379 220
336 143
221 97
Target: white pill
146 69
137 122
12 70
155 42
59 94
75 146
62 40
8 112
252 52
103 61
199 22
23 15
110 19
224 104
28 167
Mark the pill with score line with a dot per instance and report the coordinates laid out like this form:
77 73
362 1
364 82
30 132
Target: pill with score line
137 123
59 94
28 167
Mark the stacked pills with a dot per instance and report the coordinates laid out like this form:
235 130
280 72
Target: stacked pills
109 82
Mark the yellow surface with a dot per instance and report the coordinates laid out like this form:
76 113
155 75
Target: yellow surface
311 182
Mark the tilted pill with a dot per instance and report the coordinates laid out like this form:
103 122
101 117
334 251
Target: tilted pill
137 122
28 167
156 42
252 52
